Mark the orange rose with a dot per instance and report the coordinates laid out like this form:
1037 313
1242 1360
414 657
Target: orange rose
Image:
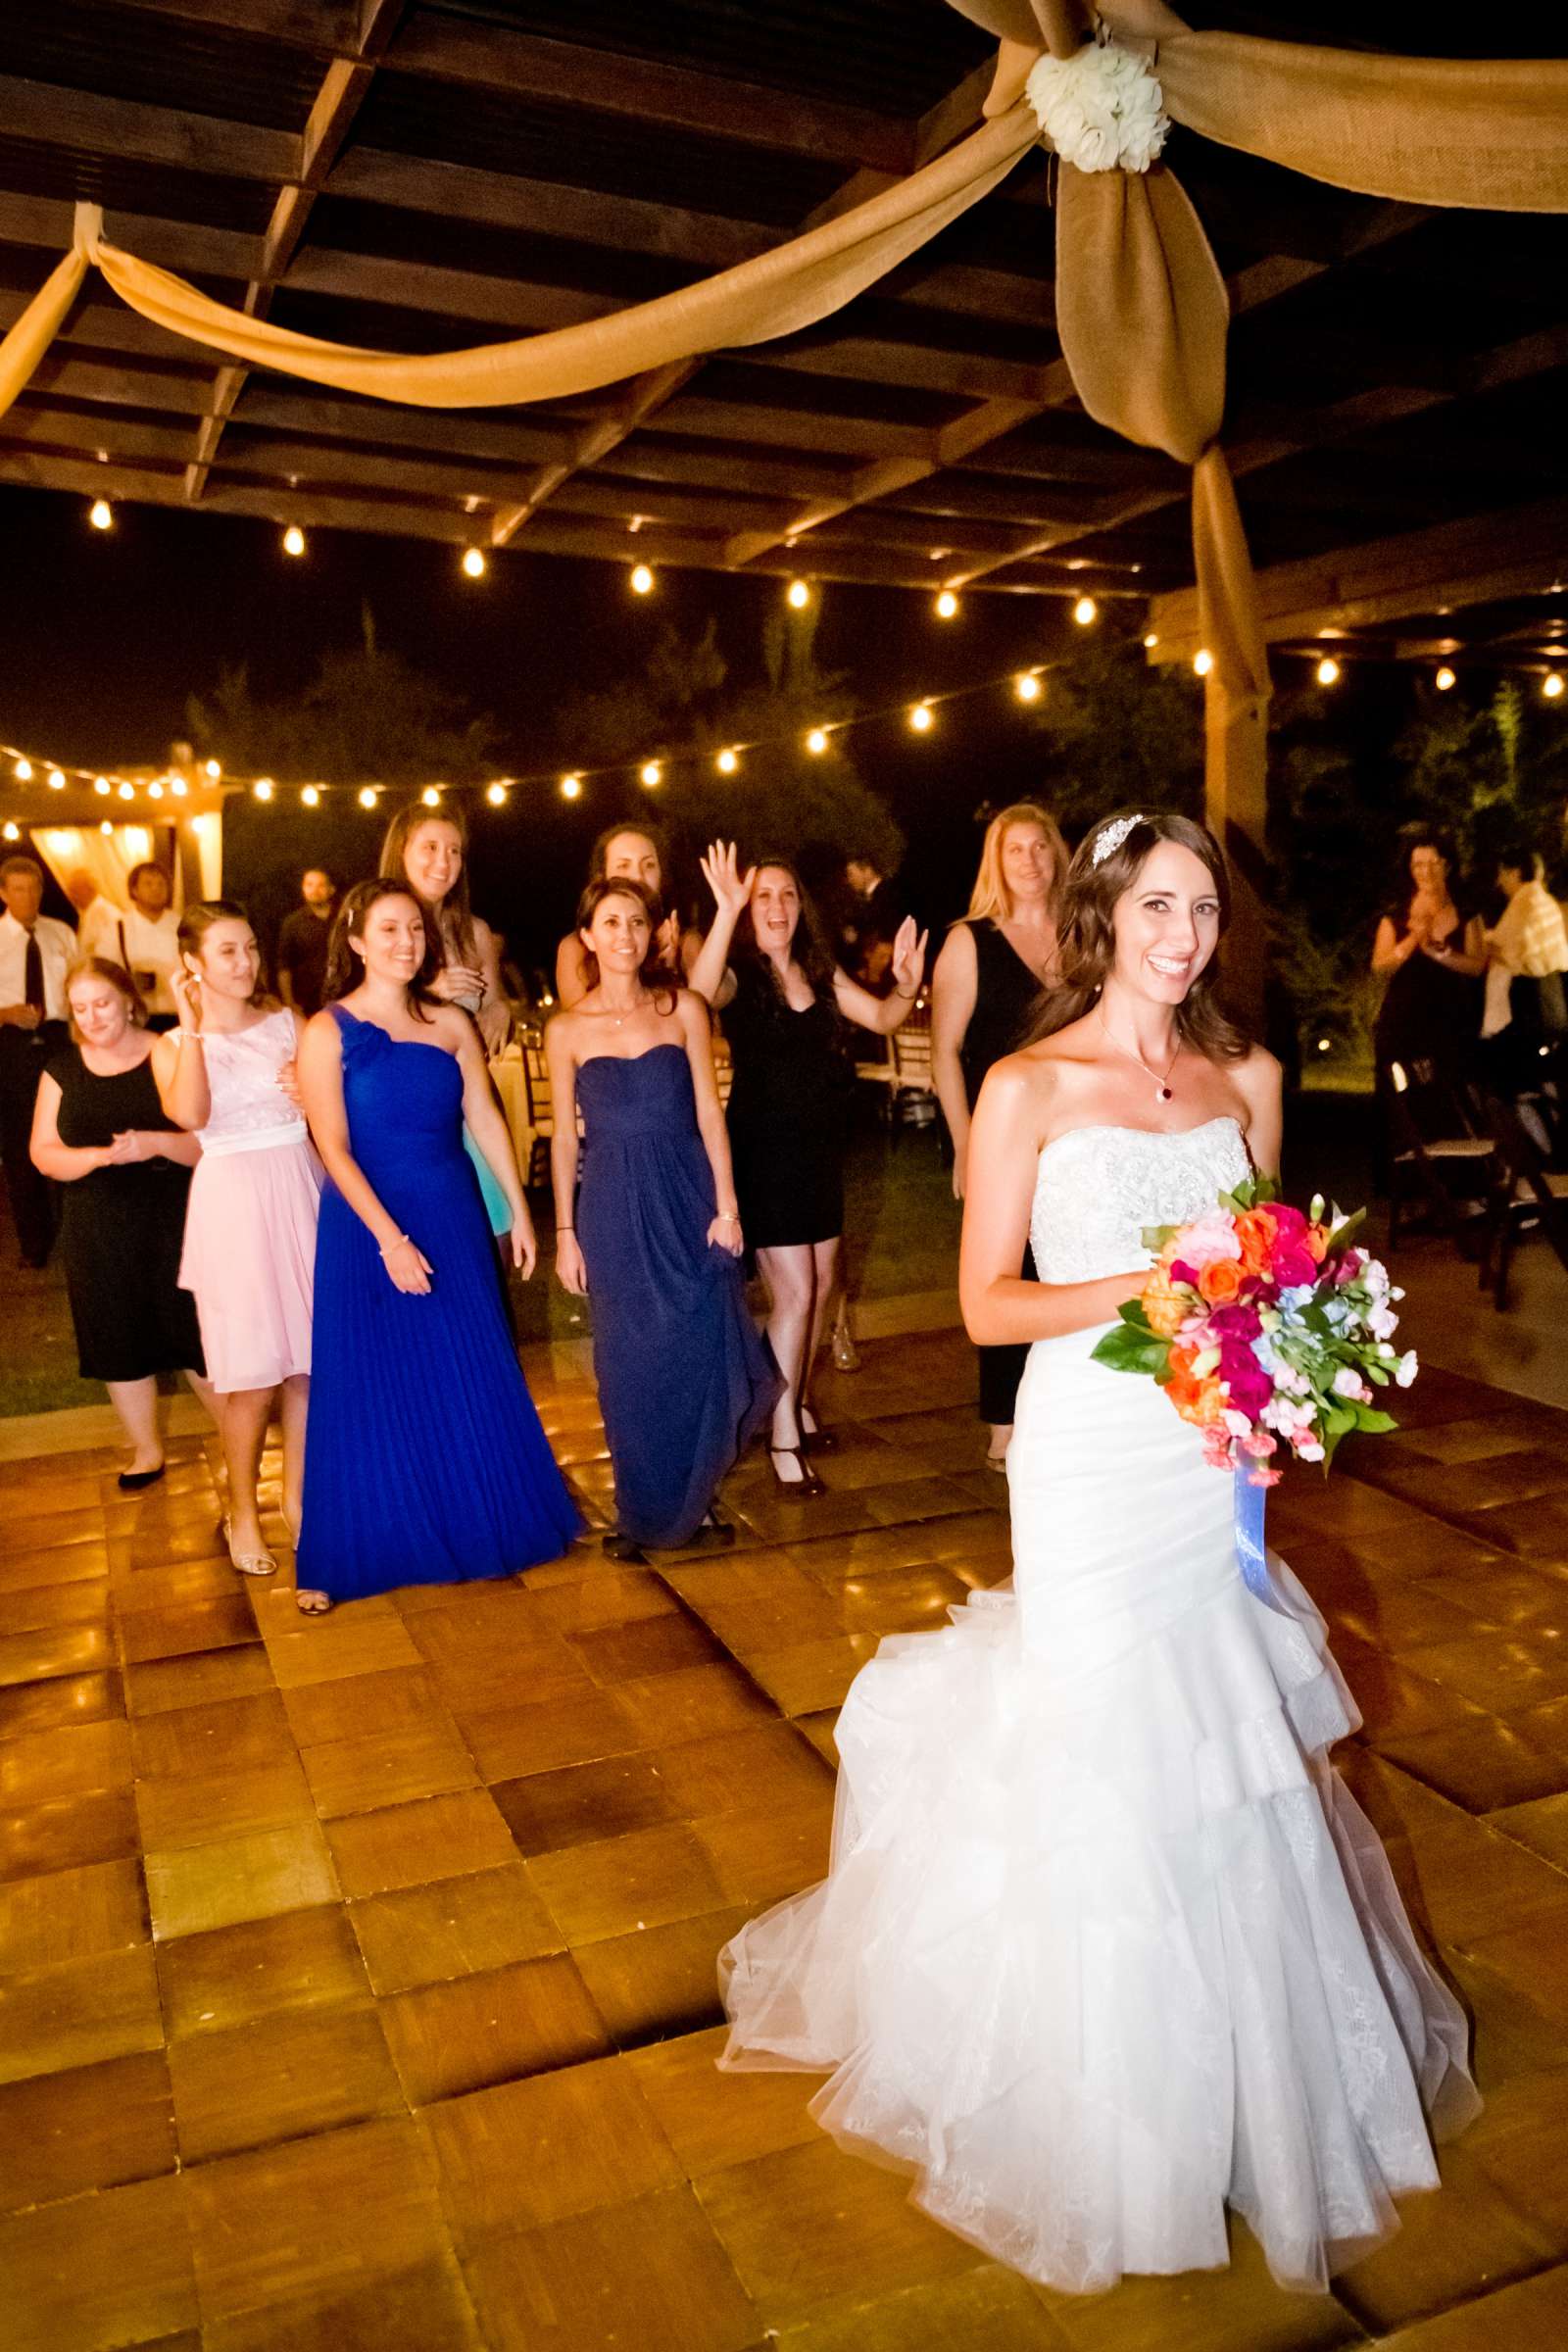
1164 1304
1220 1281
1197 1401
1315 1240
1255 1231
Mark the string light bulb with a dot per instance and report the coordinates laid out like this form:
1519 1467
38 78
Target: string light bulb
571 788
798 595
101 514
1151 640
496 795
212 771
650 774
105 825
1444 679
127 792
293 540
473 564
369 795
12 832
155 789
23 771
57 779
1551 685
1026 686
1203 661
947 605
817 741
727 762
262 788
100 785
1327 671
642 580
430 797
1086 611
179 787
312 796
920 718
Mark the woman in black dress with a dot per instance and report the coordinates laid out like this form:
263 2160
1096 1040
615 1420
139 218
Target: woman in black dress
99 1131
782 999
984 993
1431 954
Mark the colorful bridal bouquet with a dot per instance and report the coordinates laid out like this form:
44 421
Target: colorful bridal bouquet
1266 1328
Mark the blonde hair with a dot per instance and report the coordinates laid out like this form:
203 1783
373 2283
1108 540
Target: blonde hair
991 901
99 968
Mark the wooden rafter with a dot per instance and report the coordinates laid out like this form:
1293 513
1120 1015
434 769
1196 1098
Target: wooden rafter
342 93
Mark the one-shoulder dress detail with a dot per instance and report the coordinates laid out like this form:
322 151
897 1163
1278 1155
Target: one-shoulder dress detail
425 1460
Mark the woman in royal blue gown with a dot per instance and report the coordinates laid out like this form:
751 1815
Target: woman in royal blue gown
684 1378
428 1463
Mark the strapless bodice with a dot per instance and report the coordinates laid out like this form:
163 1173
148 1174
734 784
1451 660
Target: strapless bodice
1098 1187
646 1094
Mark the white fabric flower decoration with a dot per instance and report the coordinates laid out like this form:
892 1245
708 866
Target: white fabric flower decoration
1101 109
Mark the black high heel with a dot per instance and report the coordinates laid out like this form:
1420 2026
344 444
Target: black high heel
806 1483
818 1440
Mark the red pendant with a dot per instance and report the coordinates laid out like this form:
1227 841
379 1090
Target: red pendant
1165 1094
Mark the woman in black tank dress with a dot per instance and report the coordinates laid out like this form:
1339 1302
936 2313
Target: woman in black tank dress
783 1000
100 1132
984 991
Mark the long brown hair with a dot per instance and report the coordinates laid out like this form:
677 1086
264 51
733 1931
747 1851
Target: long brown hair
450 925
808 948
660 982
1085 930
345 967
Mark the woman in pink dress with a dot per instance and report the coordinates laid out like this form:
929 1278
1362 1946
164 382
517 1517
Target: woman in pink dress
250 1229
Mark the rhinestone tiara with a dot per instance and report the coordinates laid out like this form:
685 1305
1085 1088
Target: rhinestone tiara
1111 838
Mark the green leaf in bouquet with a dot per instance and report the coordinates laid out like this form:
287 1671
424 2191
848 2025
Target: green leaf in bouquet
1154 1236
1345 1234
1367 1417
1339 1421
1127 1348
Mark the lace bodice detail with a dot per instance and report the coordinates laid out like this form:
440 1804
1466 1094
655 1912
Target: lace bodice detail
1098 1187
242 1079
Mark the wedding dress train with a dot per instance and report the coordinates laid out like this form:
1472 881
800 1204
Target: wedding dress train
1106 1945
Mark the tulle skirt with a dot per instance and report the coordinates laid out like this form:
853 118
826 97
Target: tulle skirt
248 1257
1106 1945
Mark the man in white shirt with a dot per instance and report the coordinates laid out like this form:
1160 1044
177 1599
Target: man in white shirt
147 942
36 954
96 916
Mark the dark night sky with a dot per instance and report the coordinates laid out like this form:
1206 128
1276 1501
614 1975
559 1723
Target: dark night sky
104 635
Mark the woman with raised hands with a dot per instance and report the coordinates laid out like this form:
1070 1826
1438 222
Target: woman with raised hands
765 965
426 1460
653 1236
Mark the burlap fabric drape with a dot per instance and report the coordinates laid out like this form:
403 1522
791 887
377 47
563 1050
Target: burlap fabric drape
1139 305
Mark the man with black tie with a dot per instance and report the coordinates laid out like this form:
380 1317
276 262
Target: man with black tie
35 954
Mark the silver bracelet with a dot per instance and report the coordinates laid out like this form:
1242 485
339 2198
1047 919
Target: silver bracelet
397 1245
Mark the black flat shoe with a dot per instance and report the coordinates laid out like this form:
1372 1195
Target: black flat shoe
131 1482
806 1483
623 1547
714 1534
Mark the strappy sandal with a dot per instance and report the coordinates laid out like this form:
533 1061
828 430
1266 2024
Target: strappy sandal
806 1483
310 1603
248 1563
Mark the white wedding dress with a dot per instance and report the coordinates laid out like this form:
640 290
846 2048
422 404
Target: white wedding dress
1105 1945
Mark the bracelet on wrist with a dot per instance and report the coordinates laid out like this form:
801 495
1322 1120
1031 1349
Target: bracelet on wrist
561 1229
391 1246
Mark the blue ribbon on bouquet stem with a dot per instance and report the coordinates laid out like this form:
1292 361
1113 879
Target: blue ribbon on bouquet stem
1252 1503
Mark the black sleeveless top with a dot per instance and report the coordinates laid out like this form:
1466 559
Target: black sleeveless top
1006 993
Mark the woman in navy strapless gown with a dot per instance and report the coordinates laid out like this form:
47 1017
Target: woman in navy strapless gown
684 1377
429 1464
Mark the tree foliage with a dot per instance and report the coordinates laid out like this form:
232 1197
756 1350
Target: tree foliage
1116 731
369 717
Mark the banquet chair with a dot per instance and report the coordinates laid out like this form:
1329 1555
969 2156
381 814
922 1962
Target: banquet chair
1442 1153
1527 1196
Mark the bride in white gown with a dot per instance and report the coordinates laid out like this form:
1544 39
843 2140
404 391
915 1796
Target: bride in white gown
1106 1945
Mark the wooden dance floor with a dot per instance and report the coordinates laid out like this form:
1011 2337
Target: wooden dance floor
357 1978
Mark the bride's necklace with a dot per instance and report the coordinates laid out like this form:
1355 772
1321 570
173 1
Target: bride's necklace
1162 1086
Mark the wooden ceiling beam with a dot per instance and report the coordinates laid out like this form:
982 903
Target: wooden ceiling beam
317 27
48 115
1521 551
457 433
344 86
653 94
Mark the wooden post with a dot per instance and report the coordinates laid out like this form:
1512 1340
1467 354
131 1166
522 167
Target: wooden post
1236 790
